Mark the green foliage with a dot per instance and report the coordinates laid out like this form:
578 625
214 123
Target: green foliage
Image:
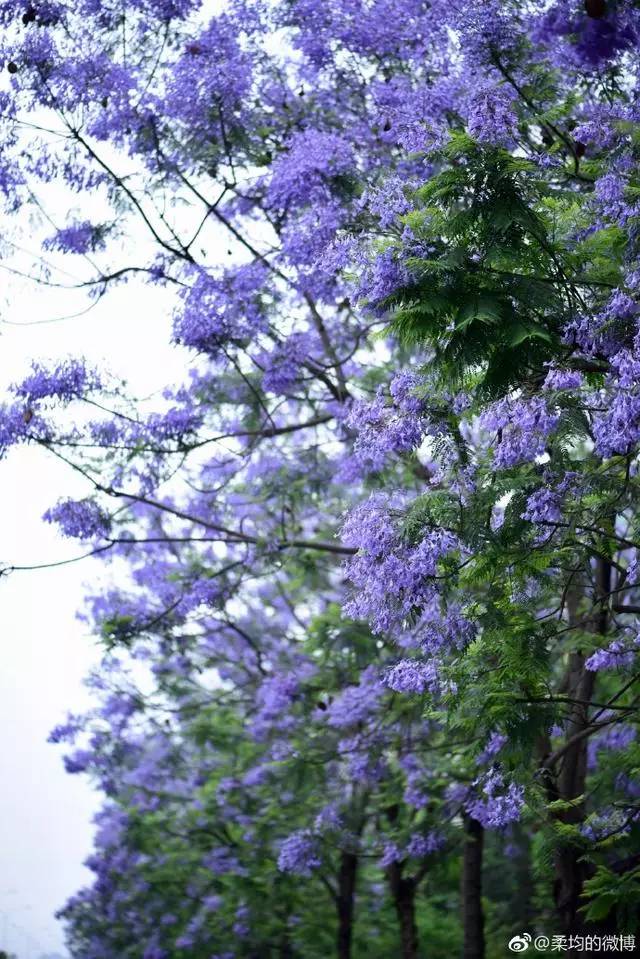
493 293
607 890
503 274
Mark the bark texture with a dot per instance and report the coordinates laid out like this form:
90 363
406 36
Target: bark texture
403 891
347 877
472 914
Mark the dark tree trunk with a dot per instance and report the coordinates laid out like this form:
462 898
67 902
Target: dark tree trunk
406 911
570 873
345 902
286 949
403 891
472 914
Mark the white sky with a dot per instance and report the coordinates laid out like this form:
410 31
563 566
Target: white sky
45 814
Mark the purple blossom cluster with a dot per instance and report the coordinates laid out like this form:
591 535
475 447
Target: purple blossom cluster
413 676
619 654
523 428
442 628
388 202
282 366
77 238
384 430
217 312
617 427
301 175
558 379
79 519
393 579
543 507
276 697
587 41
492 119
600 826
70 379
494 745
358 703
420 846
494 803
17 423
616 737
299 854
212 68
382 276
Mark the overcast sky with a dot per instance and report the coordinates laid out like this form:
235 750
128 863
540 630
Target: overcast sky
45 814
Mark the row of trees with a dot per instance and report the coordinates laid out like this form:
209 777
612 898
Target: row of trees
370 672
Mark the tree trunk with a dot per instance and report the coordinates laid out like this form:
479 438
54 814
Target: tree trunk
345 902
403 891
570 874
286 949
472 914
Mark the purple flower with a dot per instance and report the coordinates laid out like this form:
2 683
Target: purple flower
153 951
283 365
525 426
390 853
394 579
616 737
219 311
212 903
79 519
493 803
379 279
600 825
211 79
617 655
303 173
299 854
543 506
328 819
388 202
493 747
77 238
492 119
67 381
357 703
441 629
562 380
572 37
79 761
412 676
385 430
420 846
16 424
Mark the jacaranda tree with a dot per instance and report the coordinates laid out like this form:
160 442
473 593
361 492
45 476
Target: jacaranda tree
370 673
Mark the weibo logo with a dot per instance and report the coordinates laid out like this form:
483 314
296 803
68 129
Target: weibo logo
520 943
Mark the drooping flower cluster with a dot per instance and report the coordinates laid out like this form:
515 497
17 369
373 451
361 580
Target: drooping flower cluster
393 578
384 429
298 854
68 380
495 803
79 519
520 429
